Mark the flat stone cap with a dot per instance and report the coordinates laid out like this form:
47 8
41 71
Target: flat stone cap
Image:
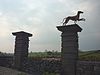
22 33
70 28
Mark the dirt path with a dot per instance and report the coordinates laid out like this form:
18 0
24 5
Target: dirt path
7 71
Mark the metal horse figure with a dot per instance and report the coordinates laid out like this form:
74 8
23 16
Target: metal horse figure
73 18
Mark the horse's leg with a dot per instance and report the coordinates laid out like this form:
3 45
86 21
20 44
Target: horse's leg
63 24
75 22
82 19
66 21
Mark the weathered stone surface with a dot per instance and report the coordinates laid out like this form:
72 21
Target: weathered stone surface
21 49
69 48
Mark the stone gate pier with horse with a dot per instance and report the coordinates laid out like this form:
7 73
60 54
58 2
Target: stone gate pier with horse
73 18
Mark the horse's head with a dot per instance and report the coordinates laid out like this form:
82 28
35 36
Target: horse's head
80 11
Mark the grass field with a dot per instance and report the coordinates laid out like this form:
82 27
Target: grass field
83 55
90 55
45 54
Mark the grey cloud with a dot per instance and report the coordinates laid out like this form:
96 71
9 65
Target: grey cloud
46 15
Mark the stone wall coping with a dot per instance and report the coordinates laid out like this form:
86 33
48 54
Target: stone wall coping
20 33
70 28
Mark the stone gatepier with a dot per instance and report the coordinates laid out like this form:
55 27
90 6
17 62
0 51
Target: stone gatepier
69 48
21 49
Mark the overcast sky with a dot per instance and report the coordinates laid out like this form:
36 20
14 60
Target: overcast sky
40 18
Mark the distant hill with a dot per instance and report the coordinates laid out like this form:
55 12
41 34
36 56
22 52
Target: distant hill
90 55
93 55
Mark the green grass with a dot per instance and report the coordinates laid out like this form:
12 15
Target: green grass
83 55
90 55
45 54
37 54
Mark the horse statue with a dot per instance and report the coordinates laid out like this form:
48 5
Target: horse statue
73 18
